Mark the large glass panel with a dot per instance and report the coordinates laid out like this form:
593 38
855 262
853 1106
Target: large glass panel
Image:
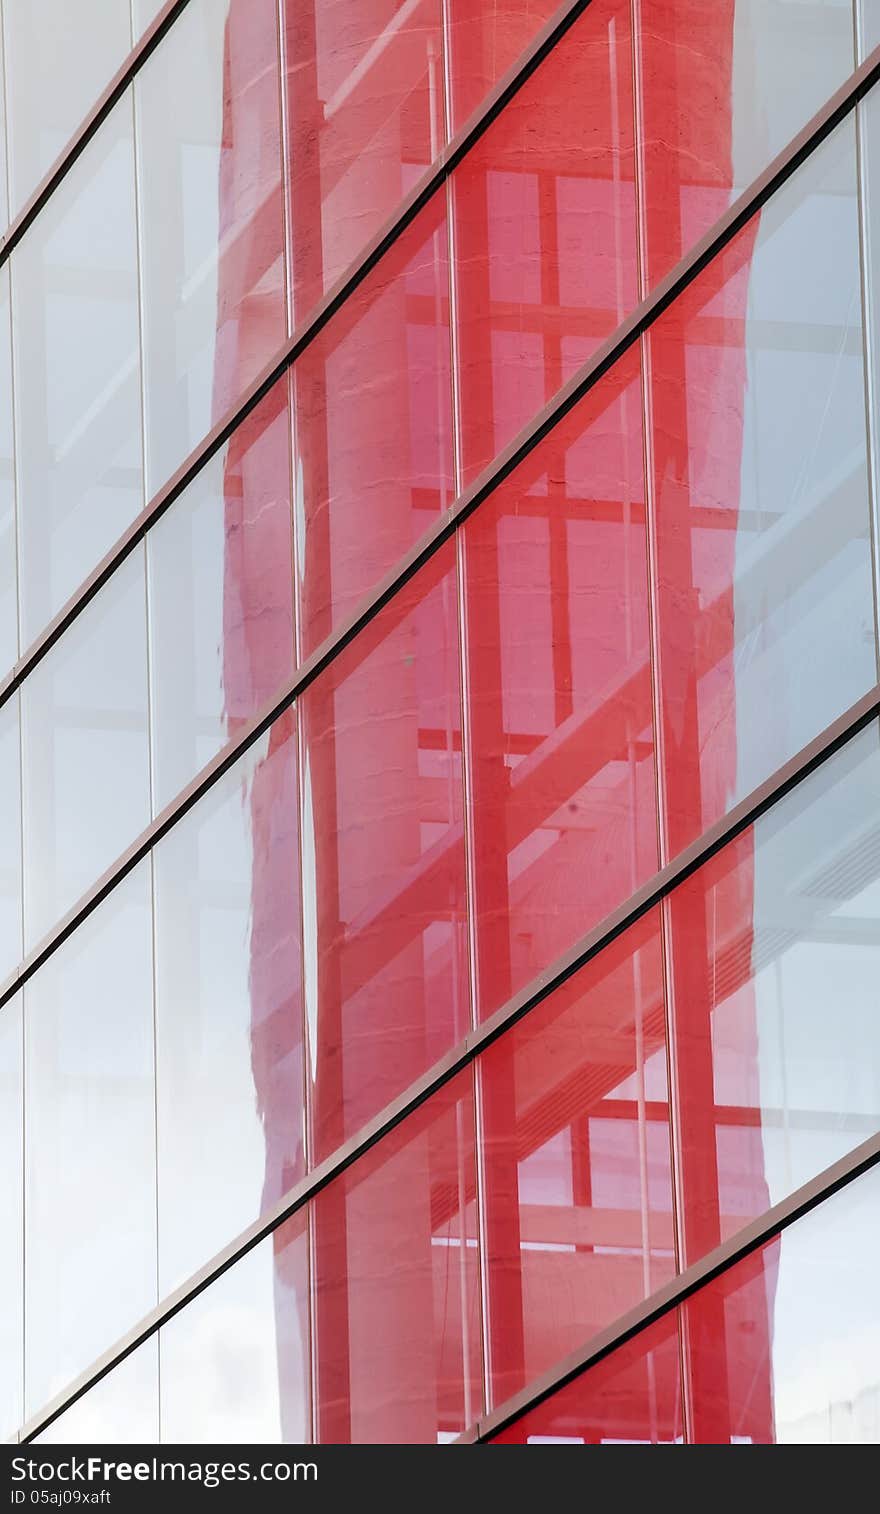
209 158
221 597
10 838
384 867
229 1008
575 1133
364 85
374 427
483 43
784 1347
563 816
60 57
235 1361
77 373
86 789
12 1229
545 231
396 1283
8 570
725 87
633 1396
90 1205
122 1409
775 960
764 579
869 26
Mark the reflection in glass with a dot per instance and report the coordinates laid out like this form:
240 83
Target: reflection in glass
235 1361
764 595
209 172
396 1283
86 750
724 88
8 570
221 597
10 839
575 1138
631 1397
12 1210
563 815
90 1243
364 94
545 231
373 405
76 351
122 1409
229 1008
386 975
775 961
484 42
784 1347
60 57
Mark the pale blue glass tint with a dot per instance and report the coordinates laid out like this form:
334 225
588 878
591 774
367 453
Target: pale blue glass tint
86 793
77 374
122 1409
220 567
90 1239
774 949
235 1362
869 26
207 108
11 1230
10 838
228 1010
61 55
8 571
763 581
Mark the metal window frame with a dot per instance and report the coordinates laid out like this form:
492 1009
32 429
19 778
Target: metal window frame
750 809
771 1224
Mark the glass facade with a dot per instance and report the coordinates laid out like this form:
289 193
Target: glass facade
348 762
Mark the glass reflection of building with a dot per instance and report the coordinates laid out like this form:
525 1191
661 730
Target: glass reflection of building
666 600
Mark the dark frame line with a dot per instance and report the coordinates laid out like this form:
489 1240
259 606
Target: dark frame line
742 1244
459 1058
128 70
639 322
433 179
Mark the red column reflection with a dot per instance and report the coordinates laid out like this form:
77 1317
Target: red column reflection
350 167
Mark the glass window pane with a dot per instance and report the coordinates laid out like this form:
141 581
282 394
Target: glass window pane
374 427
122 1409
383 853
10 839
229 1008
235 1361
869 26
484 41
396 1280
221 598
784 1347
212 221
632 1397
60 57
578 1189
12 1229
725 87
364 86
76 348
86 749
8 572
90 1242
563 814
764 597
545 231
775 961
